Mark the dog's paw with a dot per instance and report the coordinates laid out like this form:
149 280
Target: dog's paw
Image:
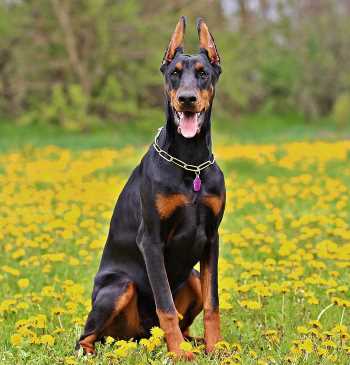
182 355
189 356
210 344
84 352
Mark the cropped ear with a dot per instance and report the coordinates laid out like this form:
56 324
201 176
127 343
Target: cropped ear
206 42
177 41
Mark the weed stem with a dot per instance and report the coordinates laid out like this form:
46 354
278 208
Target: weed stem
342 316
324 310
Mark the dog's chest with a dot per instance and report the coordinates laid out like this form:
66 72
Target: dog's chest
189 205
187 226
185 243
189 217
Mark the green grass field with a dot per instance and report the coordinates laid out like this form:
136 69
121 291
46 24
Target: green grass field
285 241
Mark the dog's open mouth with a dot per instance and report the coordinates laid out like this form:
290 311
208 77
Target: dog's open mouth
189 123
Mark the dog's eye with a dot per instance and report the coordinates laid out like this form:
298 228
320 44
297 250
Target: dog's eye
203 74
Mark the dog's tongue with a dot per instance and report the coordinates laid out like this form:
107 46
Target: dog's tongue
188 124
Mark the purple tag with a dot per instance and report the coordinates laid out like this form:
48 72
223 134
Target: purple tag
197 183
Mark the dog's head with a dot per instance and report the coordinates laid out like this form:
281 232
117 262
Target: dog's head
190 79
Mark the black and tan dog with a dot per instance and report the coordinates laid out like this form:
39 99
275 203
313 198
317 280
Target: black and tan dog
167 217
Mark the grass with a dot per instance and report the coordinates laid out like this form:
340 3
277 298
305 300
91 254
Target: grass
285 241
247 129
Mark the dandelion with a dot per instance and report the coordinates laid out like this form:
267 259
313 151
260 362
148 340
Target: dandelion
22 305
124 348
302 330
223 345
307 346
157 332
57 311
23 283
47 340
285 240
11 270
16 339
250 304
186 346
70 361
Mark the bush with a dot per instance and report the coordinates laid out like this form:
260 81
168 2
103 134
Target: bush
66 108
341 110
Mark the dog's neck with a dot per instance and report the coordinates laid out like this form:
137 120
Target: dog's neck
194 150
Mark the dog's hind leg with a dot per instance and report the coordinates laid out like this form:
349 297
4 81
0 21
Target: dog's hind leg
114 313
189 303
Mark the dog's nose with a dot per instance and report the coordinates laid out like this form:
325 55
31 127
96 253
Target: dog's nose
187 98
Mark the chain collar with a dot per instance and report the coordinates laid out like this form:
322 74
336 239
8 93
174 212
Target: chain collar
188 167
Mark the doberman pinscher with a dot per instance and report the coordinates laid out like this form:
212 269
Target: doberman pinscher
167 217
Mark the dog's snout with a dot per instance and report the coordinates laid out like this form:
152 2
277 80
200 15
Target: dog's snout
187 98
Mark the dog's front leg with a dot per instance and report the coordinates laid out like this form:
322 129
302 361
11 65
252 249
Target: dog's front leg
152 251
209 283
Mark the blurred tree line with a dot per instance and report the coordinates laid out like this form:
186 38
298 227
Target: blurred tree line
77 63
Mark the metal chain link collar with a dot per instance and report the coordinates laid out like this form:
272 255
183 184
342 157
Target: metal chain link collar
166 156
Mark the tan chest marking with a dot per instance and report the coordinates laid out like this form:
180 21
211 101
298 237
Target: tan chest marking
213 202
167 204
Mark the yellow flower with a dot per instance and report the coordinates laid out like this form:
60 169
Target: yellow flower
250 304
313 300
39 321
124 348
227 361
321 351
332 358
23 283
222 345
11 270
147 344
307 346
225 301
315 324
16 339
235 359
186 346
329 344
151 343
70 360
47 340
340 328
22 305
57 311
302 330
109 340
272 336
157 332
252 354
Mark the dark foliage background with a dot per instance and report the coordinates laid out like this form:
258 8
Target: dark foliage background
86 62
